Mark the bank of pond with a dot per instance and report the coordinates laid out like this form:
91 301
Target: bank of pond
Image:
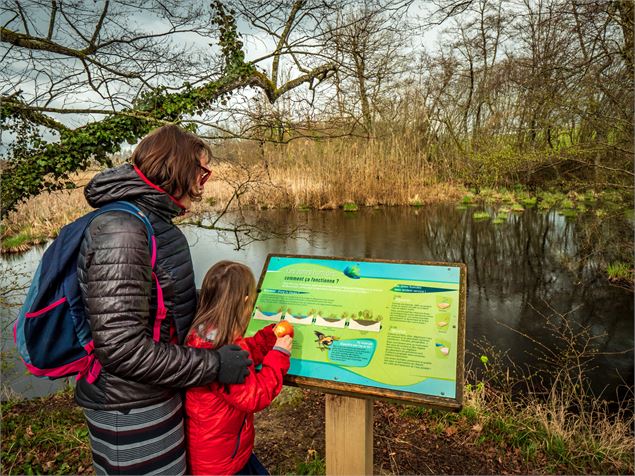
492 434
548 290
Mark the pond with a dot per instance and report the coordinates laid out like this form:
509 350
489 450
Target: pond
536 265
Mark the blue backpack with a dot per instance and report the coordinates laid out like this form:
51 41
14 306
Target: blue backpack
52 332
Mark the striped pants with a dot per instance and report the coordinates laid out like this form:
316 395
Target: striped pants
149 440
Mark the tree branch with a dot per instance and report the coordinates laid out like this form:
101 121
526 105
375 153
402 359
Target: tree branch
52 19
99 25
283 38
320 73
23 17
8 105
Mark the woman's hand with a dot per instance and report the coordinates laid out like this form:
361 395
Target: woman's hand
285 342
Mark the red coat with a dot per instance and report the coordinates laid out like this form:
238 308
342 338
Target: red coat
220 419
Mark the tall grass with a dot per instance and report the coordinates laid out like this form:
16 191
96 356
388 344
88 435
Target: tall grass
329 173
552 432
548 410
42 216
321 174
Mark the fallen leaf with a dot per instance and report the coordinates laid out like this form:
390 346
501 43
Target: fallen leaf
450 430
29 431
477 428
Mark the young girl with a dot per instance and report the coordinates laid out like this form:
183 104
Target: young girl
219 418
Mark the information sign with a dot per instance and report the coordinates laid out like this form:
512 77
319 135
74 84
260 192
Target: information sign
387 329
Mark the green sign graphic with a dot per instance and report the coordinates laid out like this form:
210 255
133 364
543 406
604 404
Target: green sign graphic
383 328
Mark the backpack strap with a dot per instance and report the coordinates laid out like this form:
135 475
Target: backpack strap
93 369
123 206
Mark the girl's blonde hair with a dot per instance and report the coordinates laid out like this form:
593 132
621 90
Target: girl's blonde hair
227 296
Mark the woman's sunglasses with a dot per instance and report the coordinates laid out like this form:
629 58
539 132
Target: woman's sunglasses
205 175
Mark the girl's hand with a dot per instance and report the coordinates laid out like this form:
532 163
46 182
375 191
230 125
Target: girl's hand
285 342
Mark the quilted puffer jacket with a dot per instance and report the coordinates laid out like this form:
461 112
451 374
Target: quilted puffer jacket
115 277
219 423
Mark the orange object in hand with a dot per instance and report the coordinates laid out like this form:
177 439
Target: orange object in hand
283 328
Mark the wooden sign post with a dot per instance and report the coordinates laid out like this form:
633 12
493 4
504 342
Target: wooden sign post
349 435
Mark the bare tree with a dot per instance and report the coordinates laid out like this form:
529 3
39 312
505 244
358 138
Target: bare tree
131 66
548 79
369 42
80 58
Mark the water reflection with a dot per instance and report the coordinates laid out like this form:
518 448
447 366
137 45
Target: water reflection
535 263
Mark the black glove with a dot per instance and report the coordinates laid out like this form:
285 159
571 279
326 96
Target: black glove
234 364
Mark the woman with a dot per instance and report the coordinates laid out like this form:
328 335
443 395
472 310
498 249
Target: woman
134 408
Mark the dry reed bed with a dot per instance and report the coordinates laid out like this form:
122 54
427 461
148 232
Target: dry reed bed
301 174
328 174
42 216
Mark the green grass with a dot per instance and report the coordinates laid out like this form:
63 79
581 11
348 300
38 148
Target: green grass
529 202
17 241
313 465
548 200
470 414
508 196
568 213
467 199
489 195
480 216
412 411
23 240
415 201
350 207
618 271
567 203
49 436
519 199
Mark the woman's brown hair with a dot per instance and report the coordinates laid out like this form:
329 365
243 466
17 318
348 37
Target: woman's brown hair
227 296
170 157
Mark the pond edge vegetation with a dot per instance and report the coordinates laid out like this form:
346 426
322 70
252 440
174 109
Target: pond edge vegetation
287 187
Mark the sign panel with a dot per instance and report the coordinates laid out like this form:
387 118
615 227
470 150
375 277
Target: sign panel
388 329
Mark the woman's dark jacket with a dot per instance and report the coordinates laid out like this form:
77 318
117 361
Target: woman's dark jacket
115 277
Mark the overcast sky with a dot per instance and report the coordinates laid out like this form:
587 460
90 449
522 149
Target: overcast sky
257 44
